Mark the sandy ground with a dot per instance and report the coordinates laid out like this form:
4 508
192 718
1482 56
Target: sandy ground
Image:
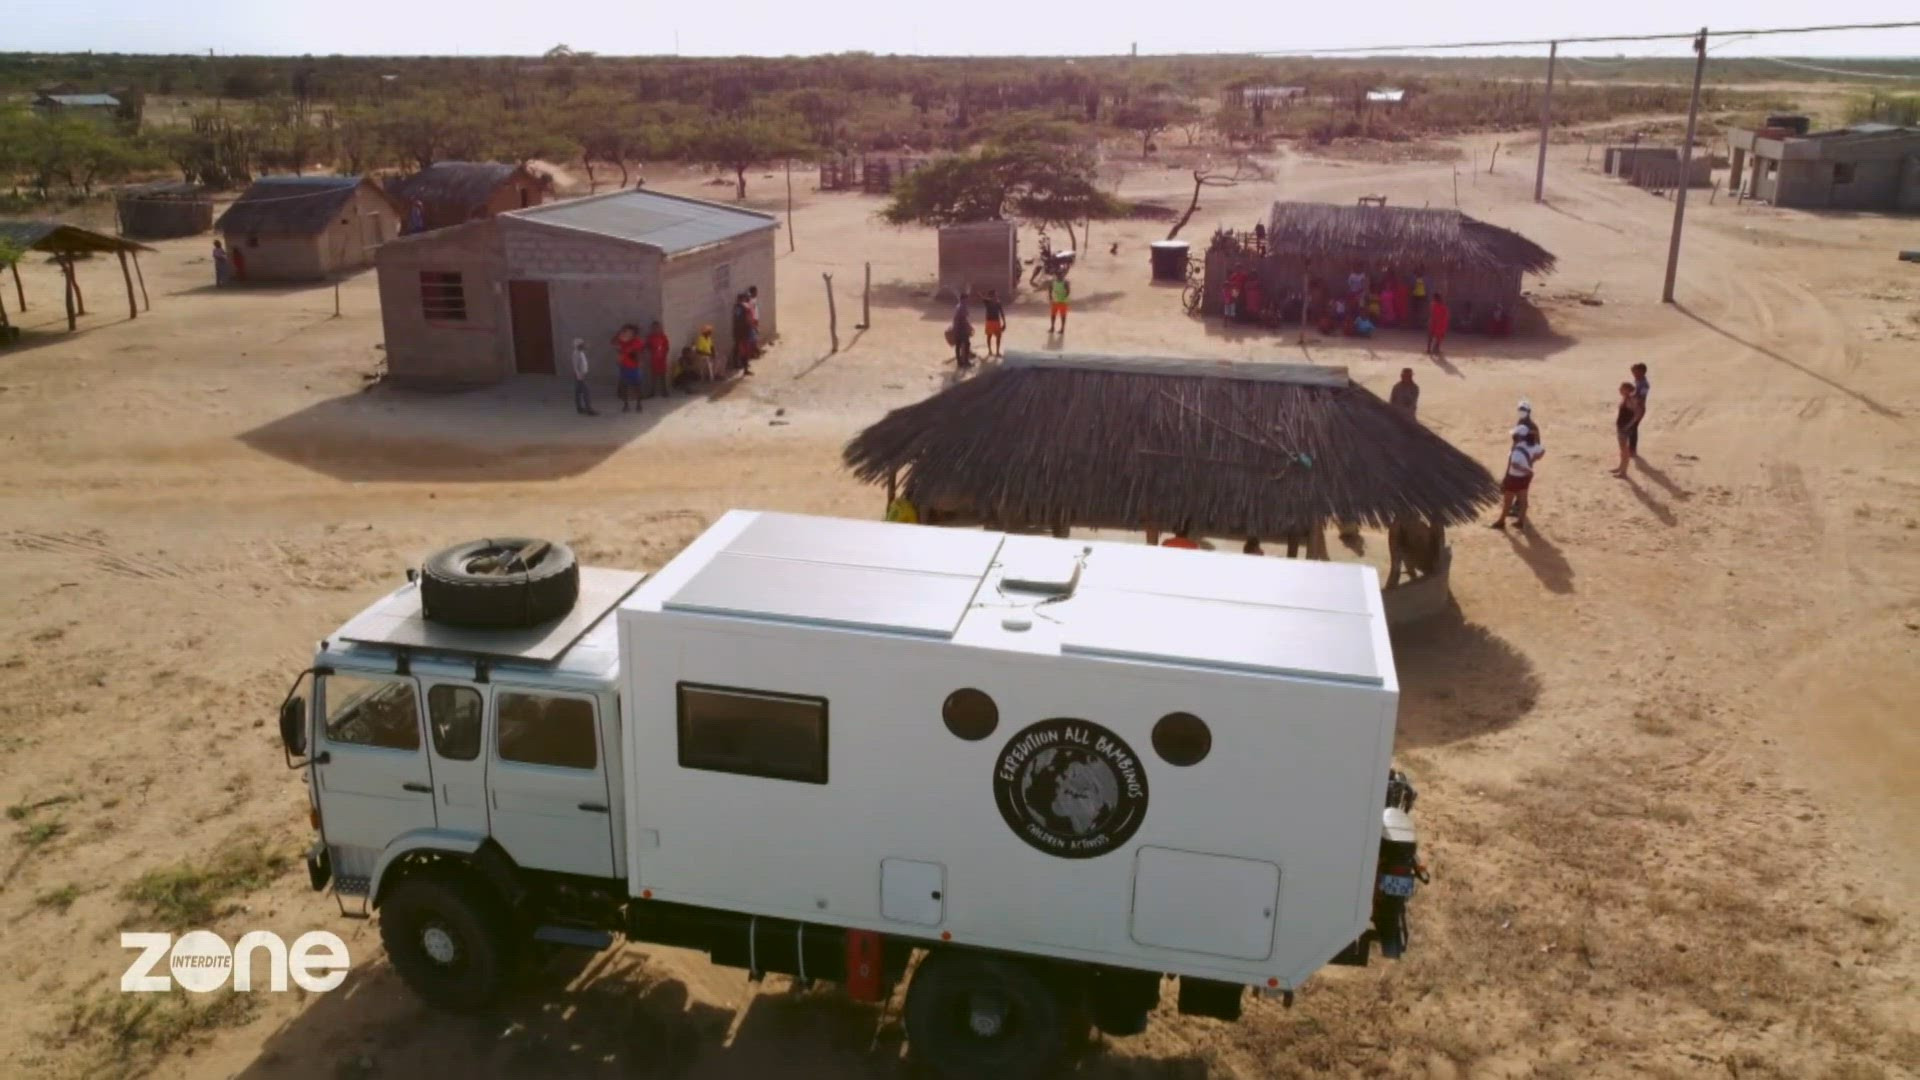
1666 745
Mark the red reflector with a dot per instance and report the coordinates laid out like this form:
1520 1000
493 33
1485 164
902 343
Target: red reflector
1273 982
646 894
863 965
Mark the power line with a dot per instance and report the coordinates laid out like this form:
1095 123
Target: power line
1688 36
1835 71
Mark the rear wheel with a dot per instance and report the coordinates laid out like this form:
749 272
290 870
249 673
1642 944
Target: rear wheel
974 1016
447 940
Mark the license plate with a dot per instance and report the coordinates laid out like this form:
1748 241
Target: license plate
1396 885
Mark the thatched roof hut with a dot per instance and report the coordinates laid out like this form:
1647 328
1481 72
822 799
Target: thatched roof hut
454 192
1407 234
1234 448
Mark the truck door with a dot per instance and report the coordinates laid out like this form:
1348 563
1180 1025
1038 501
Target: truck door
547 782
456 715
371 769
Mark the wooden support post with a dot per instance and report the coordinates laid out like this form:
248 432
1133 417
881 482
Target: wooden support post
66 278
833 318
1686 160
73 275
336 299
1306 293
133 310
1492 158
145 304
789 204
866 300
19 289
1546 121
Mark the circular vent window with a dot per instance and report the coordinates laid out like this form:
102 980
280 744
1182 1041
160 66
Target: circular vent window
1182 739
970 714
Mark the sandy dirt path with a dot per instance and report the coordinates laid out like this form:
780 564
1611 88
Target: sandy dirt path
1666 743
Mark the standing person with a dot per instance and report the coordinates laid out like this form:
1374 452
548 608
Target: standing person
1624 421
1357 285
629 347
1405 395
753 321
1058 294
582 398
1535 451
1419 292
1640 389
961 331
222 266
1438 318
1518 479
239 264
996 316
703 350
742 336
659 357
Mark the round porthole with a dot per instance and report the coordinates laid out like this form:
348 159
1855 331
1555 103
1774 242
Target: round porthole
1182 739
970 714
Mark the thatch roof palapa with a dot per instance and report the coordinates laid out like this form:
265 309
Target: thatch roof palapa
1369 233
1234 448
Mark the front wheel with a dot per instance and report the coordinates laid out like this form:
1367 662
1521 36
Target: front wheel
972 1016
446 941
1191 298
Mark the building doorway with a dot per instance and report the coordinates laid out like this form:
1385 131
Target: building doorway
532 327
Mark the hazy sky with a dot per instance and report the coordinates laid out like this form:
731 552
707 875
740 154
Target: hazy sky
784 27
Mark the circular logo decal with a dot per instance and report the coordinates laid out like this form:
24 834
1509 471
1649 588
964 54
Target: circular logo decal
1070 788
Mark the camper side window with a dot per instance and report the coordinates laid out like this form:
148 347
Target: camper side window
753 733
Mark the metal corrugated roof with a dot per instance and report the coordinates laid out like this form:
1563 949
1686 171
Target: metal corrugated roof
84 101
668 223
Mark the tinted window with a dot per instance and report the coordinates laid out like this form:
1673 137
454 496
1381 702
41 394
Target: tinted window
539 730
753 733
372 712
1182 739
970 714
453 713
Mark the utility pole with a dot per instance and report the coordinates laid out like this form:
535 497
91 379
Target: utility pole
1686 160
1546 121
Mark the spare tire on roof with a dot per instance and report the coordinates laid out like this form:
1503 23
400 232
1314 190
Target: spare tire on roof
501 582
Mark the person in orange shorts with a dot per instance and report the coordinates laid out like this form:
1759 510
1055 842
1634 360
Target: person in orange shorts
996 314
1059 292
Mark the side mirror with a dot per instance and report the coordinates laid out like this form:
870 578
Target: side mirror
293 726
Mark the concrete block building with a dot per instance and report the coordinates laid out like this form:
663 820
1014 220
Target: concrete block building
1863 167
507 295
307 228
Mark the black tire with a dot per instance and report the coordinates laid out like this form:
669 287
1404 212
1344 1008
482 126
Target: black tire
942 1032
448 941
458 590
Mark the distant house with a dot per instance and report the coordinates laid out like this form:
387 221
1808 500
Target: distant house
456 192
100 104
305 228
478 302
1386 95
1863 167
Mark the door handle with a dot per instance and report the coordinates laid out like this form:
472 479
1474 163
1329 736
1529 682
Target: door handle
424 789
594 807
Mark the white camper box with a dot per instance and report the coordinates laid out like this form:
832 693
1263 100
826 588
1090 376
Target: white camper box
782 687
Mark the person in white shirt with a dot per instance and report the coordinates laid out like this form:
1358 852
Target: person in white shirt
1513 488
582 400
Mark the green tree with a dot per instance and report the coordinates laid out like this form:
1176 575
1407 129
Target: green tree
10 253
1039 181
739 143
1150 115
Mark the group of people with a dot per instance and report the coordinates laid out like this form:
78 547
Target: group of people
994 315
1360 304
1523 457
228 266
647 367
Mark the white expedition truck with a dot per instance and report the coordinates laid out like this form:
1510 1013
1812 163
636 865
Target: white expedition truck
1058 773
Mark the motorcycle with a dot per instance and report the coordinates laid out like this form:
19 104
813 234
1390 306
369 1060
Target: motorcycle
1050 263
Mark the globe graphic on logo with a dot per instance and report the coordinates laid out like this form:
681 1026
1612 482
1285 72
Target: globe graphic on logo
1069 792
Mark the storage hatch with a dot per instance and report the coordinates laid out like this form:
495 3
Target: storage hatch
913 892
1211 904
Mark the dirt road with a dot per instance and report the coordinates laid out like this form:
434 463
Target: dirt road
1666 746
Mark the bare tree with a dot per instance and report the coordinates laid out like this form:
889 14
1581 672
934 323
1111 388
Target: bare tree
1210 174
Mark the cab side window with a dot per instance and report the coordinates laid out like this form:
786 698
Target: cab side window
454 714
537 729
380 713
